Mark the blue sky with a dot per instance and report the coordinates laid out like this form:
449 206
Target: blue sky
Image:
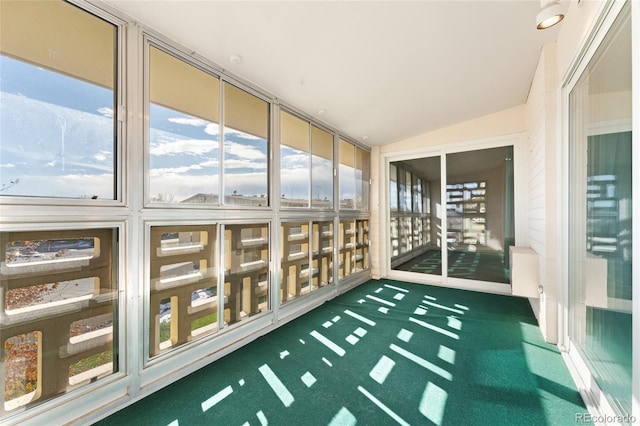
56 133
57 138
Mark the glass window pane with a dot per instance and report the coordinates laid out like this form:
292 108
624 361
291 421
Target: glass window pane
480 213
393 187
246 256
60 286
184 133
346 248
296 274
57 101
416 235
417 195
321 168
405 191
295 176
322 268
347 175
184 285
246 143
354 177
600 244
362 179
361 257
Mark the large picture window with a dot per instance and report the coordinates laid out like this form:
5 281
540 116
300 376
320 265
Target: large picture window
58 104
246 144
184 131
306 164
354 176
321 168
295 176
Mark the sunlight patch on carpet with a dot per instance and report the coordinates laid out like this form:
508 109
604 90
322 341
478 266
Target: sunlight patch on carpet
433 402
343 418
276 385
405 335
422 362
217 398
435 328
382 369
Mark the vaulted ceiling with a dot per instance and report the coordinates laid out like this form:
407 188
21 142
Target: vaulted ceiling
379 71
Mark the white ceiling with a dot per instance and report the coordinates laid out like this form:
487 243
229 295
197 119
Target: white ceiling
383 71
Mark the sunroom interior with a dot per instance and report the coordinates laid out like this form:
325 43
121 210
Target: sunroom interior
177 180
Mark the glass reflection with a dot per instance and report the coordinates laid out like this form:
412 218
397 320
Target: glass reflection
414 191
480 213
600 199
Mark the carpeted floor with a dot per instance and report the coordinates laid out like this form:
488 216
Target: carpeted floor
482 265
384 353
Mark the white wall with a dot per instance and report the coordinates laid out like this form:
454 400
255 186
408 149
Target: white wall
507 122
542 189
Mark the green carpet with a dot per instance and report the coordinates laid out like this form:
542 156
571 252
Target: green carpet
384 353
482 265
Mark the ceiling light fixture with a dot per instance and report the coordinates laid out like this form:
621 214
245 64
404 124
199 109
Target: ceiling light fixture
235 59
550 14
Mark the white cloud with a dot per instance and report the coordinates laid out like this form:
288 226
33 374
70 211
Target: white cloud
183 146
160 172
295 161
212 129
173 171
7 166
243 151
210 163
197 122
106 111
230 163
102 155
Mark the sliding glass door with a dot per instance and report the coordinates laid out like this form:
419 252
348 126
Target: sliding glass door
600 237
479 193
453 219
415 215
